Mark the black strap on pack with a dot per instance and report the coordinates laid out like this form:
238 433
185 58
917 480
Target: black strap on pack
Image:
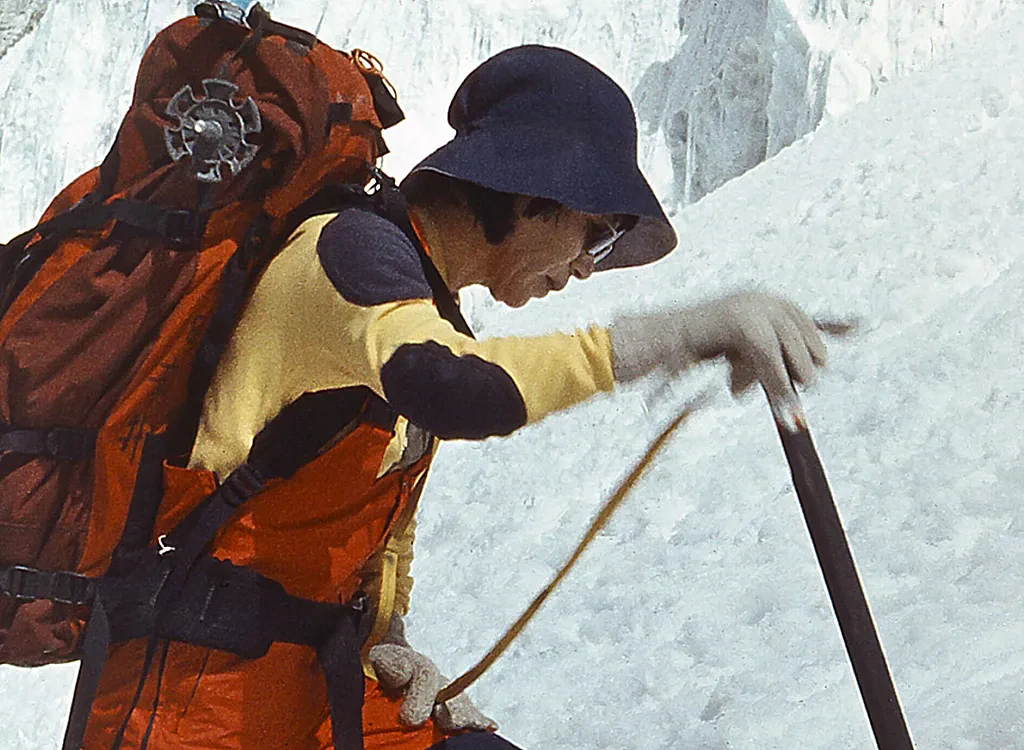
259 18
21 258
389 202
96 638
59 443
394 207
23 583
233 288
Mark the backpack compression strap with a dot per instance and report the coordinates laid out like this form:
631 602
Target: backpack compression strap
21 258
59 443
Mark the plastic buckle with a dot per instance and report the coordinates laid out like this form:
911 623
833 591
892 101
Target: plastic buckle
69 588
221 10
179 227
24 583
241 484
68 445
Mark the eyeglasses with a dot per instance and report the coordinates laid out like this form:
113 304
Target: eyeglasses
601 238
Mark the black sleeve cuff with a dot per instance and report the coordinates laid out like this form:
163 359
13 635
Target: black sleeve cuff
451 396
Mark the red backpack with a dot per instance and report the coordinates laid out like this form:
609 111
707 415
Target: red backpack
116 307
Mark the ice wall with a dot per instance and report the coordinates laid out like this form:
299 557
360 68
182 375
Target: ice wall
63 100
719 86
752 76
18 18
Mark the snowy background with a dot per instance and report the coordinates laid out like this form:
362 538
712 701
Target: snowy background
699 618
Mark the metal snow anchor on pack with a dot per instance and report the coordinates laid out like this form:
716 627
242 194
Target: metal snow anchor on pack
840 573
221 10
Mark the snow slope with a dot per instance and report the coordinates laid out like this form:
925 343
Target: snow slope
699 619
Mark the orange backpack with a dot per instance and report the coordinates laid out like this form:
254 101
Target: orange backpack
117 306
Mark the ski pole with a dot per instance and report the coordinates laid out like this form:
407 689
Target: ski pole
844 587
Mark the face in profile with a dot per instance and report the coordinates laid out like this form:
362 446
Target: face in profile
542 252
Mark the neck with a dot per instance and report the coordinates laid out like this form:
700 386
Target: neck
451 243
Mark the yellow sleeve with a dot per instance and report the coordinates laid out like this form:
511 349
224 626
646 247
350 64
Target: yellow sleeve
551 372
298 334
338 343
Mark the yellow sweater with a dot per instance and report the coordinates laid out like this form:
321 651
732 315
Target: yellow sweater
302 332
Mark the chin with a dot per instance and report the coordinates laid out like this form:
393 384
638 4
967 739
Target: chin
514 298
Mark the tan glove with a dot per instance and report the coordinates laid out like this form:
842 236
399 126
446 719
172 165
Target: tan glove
765 339
400 667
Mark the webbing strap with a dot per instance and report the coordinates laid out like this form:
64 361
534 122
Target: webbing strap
60 443
95 642
339 658
259 18
178 226
20 258
23 583
187 541
146 497
396 209
234 284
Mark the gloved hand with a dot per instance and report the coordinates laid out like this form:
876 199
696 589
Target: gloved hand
765 339
400 667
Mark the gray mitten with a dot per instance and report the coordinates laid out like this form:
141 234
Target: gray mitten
400 667
765 339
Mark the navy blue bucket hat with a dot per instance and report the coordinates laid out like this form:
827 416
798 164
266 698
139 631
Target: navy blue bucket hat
541 121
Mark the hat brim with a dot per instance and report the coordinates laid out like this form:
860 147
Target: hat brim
509 161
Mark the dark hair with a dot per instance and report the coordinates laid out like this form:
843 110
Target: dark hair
493 210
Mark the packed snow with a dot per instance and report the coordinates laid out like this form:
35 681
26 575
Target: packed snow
698 619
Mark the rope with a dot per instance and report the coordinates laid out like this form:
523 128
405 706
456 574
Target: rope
603 516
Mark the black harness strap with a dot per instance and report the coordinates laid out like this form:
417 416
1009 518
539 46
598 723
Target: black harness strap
96 639
259 18
190 538
343 669
292 439
179 227
392 205
389 202
95 642
146 497
234 285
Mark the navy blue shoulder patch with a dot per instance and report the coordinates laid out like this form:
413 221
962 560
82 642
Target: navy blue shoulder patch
370 261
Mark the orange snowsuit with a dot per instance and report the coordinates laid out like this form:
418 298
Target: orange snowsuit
344 305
